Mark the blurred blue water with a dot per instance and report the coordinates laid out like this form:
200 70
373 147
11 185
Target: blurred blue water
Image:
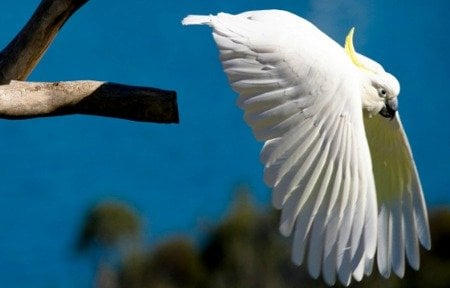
181 176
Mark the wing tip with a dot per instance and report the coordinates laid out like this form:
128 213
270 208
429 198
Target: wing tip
285 228
425 239
196 20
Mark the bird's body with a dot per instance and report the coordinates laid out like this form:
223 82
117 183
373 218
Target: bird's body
335 152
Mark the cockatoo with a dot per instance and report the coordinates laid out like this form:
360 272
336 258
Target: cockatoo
335 152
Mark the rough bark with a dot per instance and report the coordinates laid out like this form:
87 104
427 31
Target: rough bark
22 100
23 53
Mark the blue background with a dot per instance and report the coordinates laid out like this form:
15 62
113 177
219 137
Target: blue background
181 177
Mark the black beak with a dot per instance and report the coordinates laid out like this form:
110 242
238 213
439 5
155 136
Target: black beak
389 109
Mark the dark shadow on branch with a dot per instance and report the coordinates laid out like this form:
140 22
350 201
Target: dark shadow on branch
131 103
25 100
22 101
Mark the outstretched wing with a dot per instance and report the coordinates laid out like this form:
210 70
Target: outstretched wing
298 90
402 220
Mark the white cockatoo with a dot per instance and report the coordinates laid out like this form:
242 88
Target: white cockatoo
335 152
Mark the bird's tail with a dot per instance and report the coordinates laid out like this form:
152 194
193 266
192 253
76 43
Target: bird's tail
196 20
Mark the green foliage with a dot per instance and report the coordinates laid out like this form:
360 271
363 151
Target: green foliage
246 250
173 264
108 223
237 252
440 229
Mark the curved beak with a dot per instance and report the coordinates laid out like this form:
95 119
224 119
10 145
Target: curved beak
389 109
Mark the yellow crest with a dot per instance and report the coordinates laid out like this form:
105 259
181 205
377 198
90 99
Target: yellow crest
350 50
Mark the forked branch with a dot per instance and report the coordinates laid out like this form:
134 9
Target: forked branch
22 100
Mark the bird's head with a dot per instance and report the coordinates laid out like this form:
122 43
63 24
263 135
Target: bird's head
380 89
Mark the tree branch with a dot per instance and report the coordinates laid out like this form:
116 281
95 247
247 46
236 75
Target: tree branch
20 100
20 57
24 100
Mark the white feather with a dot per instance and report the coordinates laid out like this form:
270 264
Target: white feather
196 20
383 257
399 193
301 94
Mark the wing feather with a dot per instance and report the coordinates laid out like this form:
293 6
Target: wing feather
302 189
299 93
329 266
301 235
411 240
397 247
402 220
360 209
348 224
383 257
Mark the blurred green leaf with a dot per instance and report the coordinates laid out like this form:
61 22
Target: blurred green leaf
244 250
107 224
175 263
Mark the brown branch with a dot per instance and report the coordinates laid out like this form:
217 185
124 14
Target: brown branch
23 100
20 57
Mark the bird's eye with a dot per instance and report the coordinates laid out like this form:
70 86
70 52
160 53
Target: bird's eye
382 92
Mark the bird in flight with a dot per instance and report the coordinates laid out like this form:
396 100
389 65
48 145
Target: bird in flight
335 151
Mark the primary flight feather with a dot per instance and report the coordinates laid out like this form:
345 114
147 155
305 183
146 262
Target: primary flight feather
335 152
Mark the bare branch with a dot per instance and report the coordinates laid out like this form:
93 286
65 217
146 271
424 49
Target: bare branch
20 57
23 100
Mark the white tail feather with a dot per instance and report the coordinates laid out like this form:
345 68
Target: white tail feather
196 20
